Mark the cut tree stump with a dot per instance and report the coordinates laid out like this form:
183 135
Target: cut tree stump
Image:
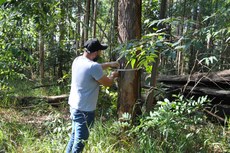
129 92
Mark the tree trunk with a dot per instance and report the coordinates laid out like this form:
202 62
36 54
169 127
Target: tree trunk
61 40
78 25
94 19
129 93
192 66
150 102
129 28
115 23
129 20
87 15
82 40
41 55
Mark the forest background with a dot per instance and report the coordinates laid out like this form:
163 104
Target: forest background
40 38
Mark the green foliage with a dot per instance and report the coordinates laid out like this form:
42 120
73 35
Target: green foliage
105 137
22 22
142 53
173 126
208 60
107 102
2 1
15 60
12 67
196 35
177 126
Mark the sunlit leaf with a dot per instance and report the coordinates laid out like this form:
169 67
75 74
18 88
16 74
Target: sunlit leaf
180 47
133 61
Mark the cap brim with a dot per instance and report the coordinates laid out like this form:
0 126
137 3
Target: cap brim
104 46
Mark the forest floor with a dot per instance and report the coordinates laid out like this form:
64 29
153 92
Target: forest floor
44 128
33 129
31 115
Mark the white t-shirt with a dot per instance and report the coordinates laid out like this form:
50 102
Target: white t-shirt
84 86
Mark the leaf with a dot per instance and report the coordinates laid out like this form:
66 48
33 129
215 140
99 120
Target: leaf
189 135
133 61
147 21
150 35
180 47
159 44
208 17
2 1
228 39
208 60
178 42
153 22
208 37
187 45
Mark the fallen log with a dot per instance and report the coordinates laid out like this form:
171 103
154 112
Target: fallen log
216 85
52 100
222 76
56 99
195 90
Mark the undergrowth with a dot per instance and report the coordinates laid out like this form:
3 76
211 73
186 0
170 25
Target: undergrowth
176 126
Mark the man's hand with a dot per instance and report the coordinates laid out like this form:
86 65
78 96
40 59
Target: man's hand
108 80
114 74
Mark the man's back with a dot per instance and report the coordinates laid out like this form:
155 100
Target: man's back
84 85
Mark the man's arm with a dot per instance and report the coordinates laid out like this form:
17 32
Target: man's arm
110 64
108 80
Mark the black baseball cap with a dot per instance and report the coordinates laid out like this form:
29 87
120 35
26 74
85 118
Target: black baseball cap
93 45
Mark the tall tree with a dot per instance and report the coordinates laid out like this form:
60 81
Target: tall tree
129 28
78 26
115 22
94 18
61 39
41 55
87 19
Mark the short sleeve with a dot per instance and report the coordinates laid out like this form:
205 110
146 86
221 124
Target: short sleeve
96 71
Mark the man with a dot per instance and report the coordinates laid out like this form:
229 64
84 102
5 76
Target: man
87 75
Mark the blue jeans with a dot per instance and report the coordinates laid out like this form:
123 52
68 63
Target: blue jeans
81 121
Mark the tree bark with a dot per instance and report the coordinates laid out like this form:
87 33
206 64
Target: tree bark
95 19
115 23
87 15
129 20
129 93
78 25
129 28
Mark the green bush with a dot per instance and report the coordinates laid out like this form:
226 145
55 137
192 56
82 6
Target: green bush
178 126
